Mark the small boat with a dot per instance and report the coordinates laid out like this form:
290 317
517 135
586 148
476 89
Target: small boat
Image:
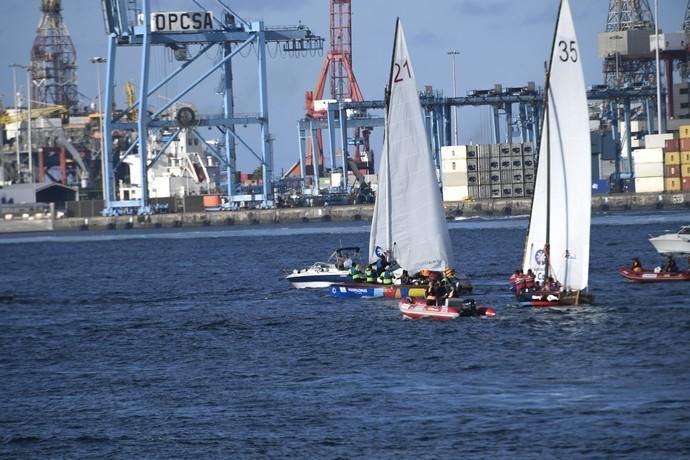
323 274
454 308
557 243
409 221
673 243
652 276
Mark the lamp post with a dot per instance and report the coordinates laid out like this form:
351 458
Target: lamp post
452 55
658 72
100 60
18 123
28 121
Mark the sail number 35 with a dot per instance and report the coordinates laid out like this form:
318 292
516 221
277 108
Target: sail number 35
567 51
400 71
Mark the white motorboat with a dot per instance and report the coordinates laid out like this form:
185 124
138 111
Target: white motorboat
323 274
673 243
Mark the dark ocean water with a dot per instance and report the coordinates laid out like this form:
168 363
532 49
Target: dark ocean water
160 345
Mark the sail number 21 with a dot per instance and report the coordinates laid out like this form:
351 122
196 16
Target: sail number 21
399 73
568 51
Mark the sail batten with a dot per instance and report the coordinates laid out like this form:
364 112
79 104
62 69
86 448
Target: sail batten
565 165
409 219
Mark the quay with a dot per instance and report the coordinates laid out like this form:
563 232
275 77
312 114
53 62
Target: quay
44 219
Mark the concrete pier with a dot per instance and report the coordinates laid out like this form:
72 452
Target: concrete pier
41 222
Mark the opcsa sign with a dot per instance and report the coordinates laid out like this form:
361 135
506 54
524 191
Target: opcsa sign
181 21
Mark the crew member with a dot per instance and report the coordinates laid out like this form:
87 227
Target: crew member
513 280
386 277
430 294
369 274
519 282
636 265
355 274
529 281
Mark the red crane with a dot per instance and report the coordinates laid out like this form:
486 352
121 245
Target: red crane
337 68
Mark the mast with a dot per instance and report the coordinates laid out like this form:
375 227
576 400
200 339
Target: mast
547 89
389 88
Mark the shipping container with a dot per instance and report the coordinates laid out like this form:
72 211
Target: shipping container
528 163
671 170
529 191
672 184
684 132
648 155
484 192
473 191
506 163
517 163
211 201
453 152
517 176
685 144
649 184
656 141
672 145
600 186
455 179
685 158
472 178
518 191
495 178
507 191
505 150
496 192
484 164
472 165
454 165
685 184
516 150
484 178
685 170
471 151
456 193
671 158
649 169
507 176
495 164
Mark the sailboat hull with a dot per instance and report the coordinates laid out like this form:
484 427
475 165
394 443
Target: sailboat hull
369 290
554 299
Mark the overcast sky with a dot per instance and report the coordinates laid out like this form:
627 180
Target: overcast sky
500 41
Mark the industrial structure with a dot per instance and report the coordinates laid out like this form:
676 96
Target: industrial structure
133 156
130 25
337 71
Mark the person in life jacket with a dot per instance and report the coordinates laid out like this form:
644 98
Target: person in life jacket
513 280
530 281
430 294
636 265
355 274
449 283
519 282
386 277
369 274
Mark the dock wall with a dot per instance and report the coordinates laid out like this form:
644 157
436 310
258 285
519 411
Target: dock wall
48 222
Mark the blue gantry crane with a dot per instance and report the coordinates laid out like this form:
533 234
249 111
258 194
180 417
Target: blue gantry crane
132 23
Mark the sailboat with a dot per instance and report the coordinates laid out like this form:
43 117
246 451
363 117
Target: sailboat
409 222
557 243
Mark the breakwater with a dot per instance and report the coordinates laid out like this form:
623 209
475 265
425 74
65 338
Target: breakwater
49 220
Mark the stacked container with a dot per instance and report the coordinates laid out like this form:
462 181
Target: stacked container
487 171
649 170
454 167
680 149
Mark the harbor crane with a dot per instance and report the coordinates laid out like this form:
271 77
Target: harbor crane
132 23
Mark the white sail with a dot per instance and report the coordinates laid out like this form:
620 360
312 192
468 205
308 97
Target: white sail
569 157
409 219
